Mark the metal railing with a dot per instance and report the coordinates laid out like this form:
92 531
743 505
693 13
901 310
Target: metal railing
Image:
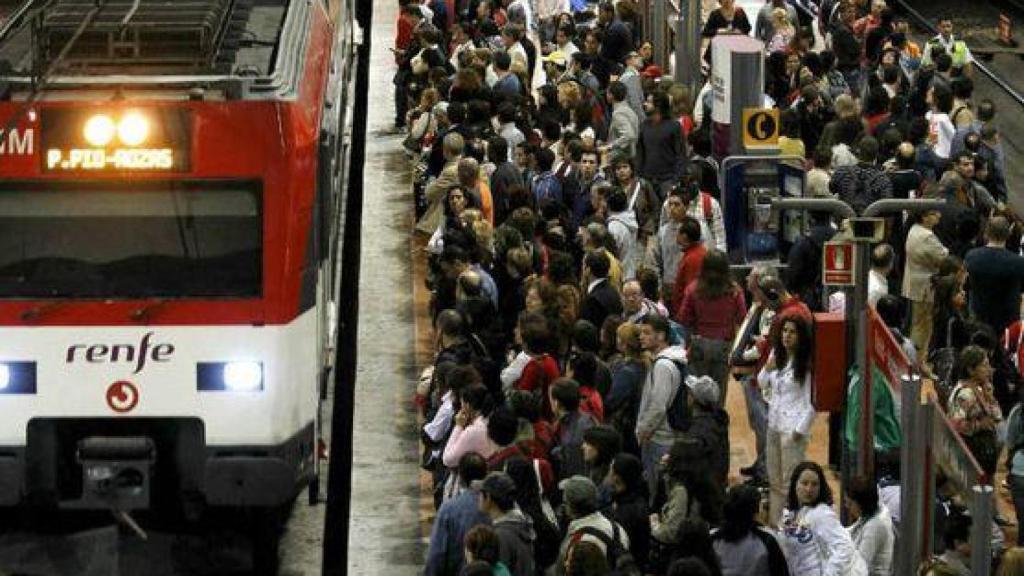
924 23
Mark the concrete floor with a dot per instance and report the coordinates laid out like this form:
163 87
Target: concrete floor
385 537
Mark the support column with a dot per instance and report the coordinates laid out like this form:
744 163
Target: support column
657 33
911 477
981 535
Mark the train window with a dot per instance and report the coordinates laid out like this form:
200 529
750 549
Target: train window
130 240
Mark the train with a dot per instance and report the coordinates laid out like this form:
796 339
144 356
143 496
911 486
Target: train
172 192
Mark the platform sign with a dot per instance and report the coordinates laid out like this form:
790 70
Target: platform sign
760 127
839 265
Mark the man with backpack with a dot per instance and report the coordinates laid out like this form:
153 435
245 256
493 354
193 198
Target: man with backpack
663 412
587 524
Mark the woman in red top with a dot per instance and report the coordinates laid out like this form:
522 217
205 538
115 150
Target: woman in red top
713 308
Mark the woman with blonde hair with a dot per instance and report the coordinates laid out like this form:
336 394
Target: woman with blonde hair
1013 562
569 95
628 374
782 31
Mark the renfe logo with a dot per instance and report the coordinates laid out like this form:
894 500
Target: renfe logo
112 353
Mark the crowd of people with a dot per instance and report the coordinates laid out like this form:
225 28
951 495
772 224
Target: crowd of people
588 323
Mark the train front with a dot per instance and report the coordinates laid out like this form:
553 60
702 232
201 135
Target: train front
158 302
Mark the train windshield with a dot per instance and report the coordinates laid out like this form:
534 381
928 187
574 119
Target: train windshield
131 240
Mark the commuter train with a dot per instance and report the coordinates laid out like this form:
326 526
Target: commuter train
171 198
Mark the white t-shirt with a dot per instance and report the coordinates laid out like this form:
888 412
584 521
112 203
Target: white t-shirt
941 128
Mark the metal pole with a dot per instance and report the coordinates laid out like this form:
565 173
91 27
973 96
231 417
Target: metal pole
865 459
658 33
911 489
688 56
926 475
981 535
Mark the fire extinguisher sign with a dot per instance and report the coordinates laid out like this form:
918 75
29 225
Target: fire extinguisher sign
839 264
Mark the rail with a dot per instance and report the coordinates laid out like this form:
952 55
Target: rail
924 23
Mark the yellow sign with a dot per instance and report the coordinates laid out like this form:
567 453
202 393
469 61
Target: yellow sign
760 127
104 159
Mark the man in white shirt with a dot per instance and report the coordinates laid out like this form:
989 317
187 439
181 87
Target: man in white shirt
883 257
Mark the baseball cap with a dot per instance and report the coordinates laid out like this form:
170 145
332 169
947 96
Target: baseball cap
577 490
633 54
703 388
651 71
498 485
557 58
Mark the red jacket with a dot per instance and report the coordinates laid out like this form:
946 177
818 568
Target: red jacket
540 373
689 268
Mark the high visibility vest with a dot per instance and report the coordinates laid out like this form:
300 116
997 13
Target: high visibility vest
958 51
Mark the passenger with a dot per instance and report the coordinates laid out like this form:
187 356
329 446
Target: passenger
743 546
653 431
602 298
454 146
483 553
468 435
454 520
629 504
600 445
924 254
872 531
712 310
744 359
586 523
812 538
786 379
570 425
691 493
691 244
709 426
514 529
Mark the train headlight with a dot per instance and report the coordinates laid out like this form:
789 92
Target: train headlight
99 130
237 376
133 129
17 378
243 376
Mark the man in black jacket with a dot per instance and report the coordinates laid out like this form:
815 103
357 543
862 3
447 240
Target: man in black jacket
803 276
602 298
996 275
505 175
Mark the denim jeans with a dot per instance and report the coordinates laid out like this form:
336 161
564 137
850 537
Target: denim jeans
757 416
650 455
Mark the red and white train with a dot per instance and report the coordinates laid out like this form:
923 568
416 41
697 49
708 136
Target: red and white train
171 196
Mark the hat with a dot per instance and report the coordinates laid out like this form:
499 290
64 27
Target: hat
579 490
633 54
557 58
704 389
440 108
651 71
497 485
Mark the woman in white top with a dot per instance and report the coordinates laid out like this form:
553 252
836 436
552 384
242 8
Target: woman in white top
786 383
872 532
940 127
813 540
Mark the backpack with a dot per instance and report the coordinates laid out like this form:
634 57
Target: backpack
547 188
490 371
617 554
678 410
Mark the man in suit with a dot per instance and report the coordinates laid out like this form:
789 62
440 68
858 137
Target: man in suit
625 125
924 254
602 298
436 191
